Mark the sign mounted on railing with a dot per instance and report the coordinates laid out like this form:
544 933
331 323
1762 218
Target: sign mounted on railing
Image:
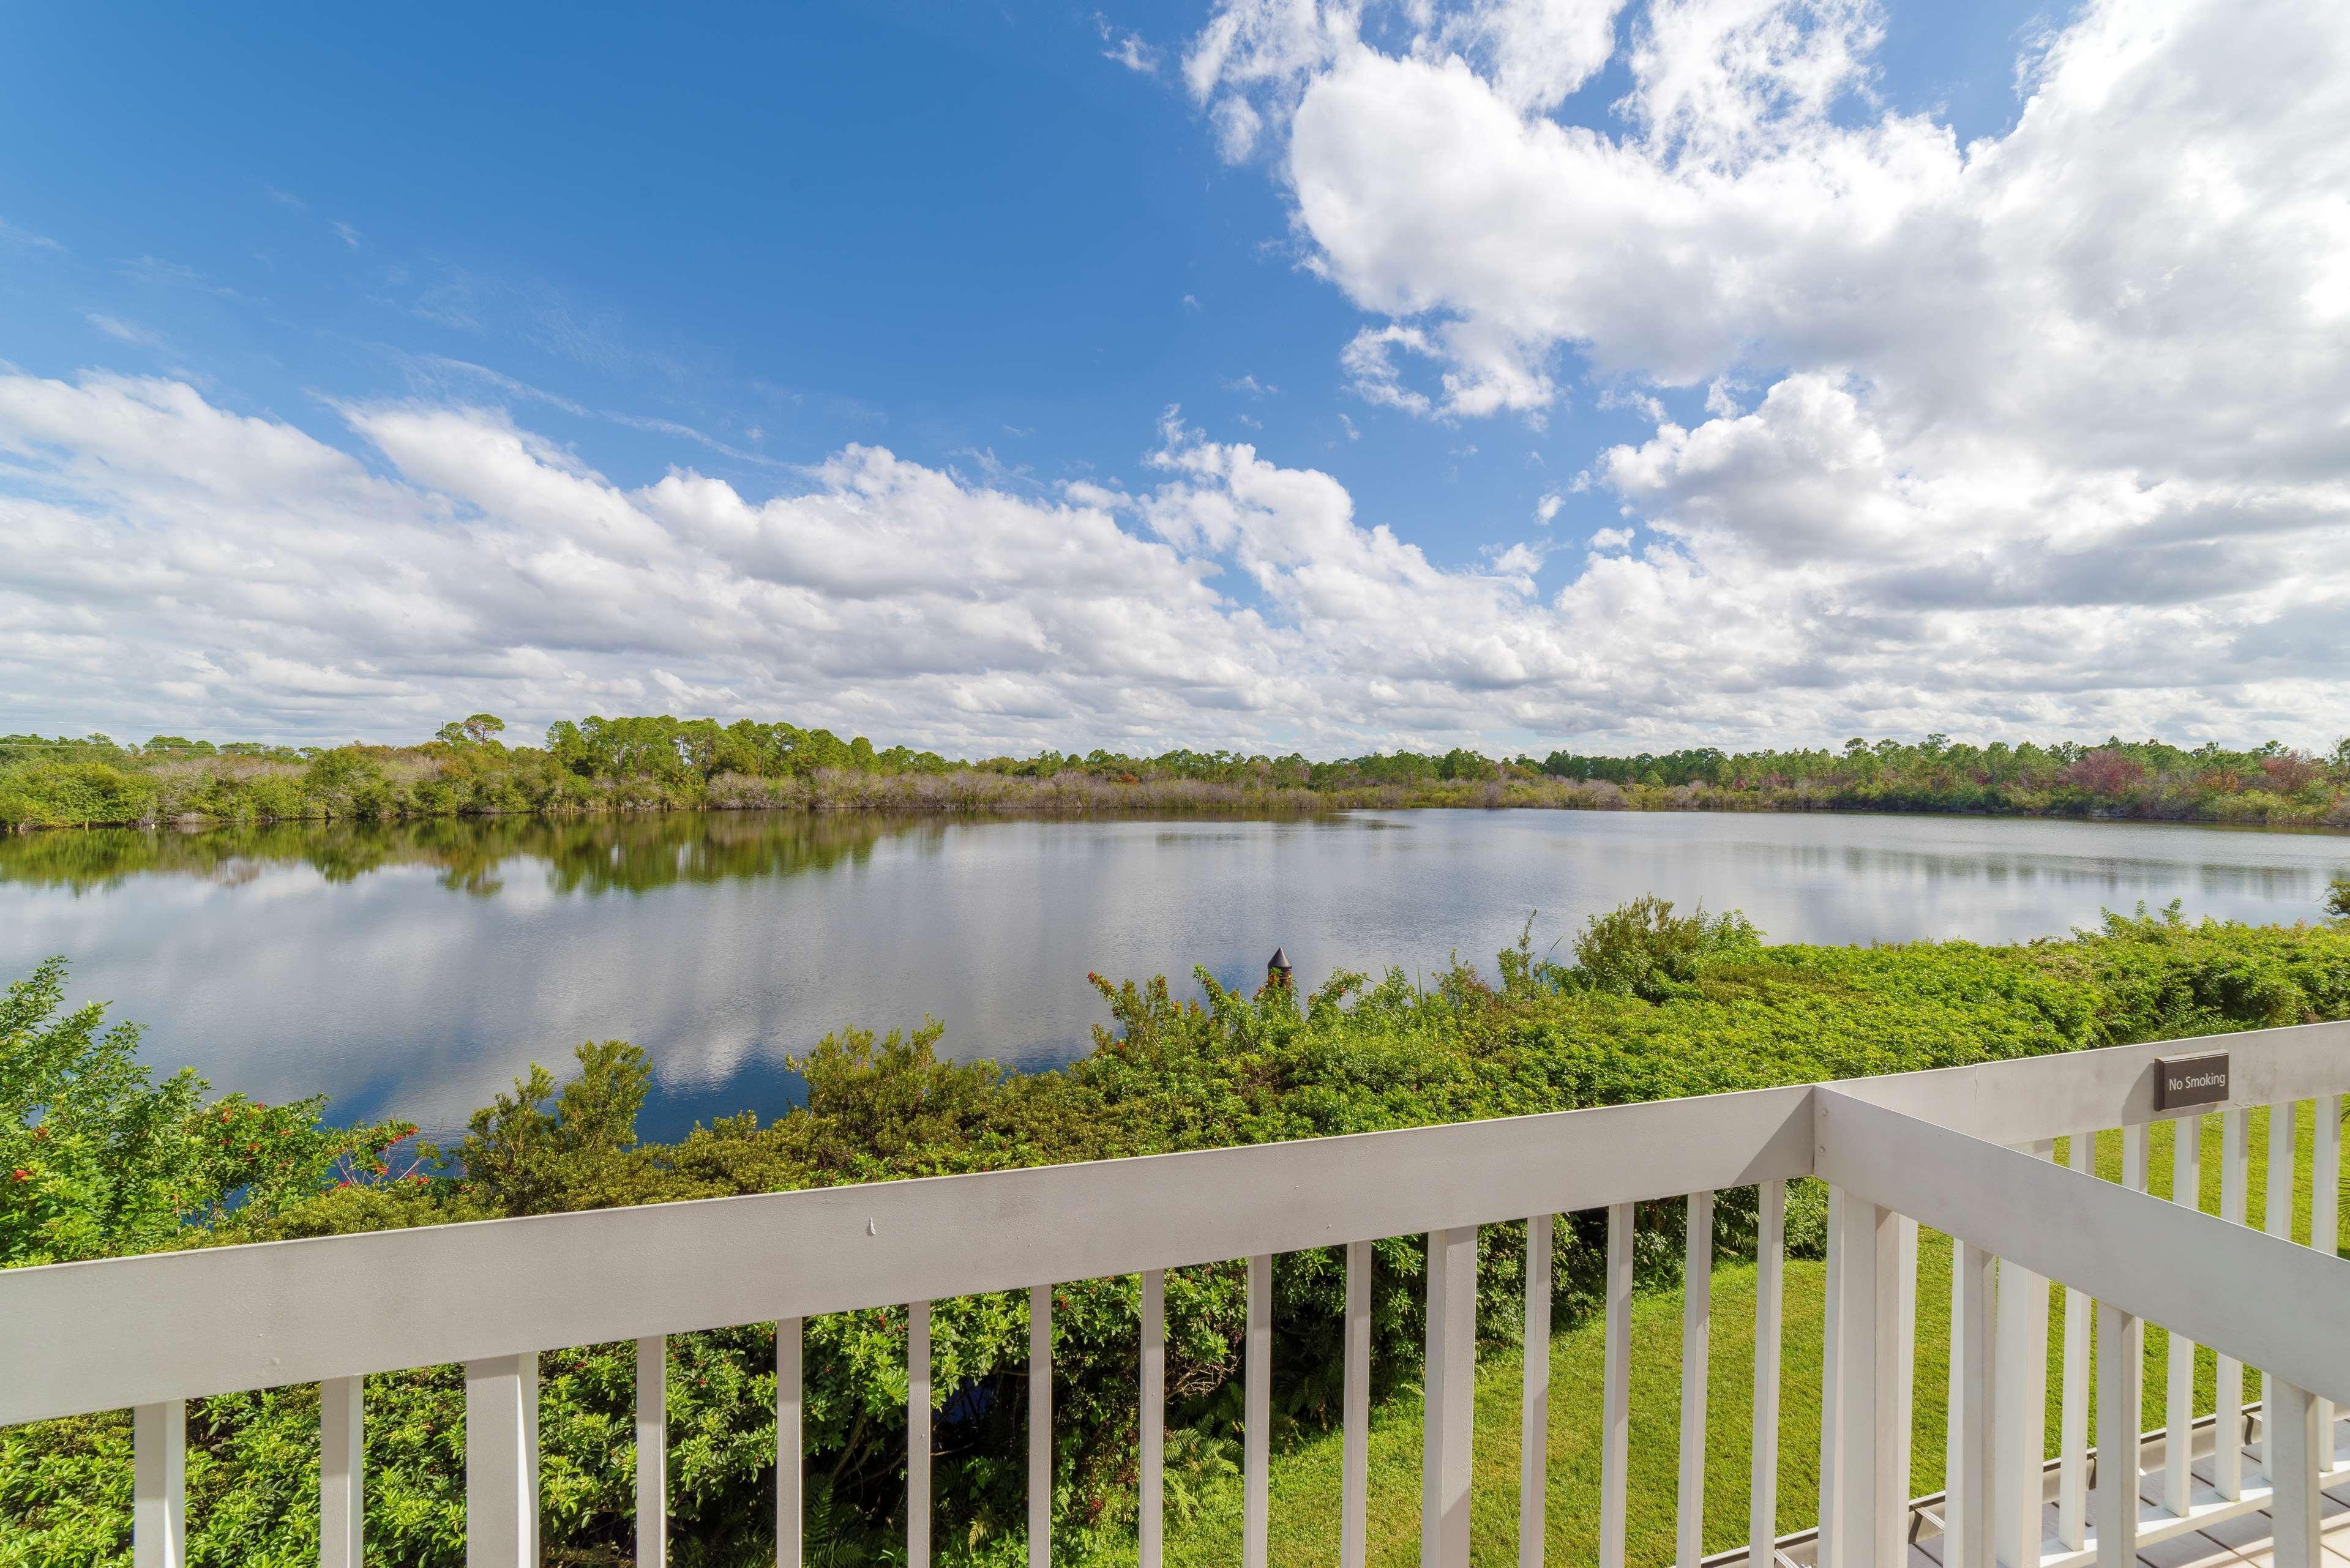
2198 1080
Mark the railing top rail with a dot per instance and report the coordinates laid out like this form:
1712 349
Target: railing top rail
2272 1305
2036 1098
101 1335
92 1336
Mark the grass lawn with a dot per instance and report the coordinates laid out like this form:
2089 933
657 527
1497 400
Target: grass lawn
1306 1469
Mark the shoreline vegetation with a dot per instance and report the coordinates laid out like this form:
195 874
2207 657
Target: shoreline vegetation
599 765
98 1159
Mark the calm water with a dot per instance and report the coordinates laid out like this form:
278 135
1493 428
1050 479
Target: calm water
414 971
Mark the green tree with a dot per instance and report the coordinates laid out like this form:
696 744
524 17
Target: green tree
92 1148
476 729
2337 901
97 1160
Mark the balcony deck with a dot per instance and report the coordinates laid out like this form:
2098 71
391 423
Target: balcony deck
2248 1540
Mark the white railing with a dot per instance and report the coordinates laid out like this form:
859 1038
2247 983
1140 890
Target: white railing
1965 1151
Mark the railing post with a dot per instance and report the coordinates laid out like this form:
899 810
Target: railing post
2296 1504
1534 1410
918 1434
158 1485
1616 1387
2121 1345
652 1452
1257 1417
1040 1427
342 1493
1872 1499
2179 1411
1153 1500
1450 1411
1697 1338
1770 1265
1954 1538
2020 1401
791 1445
1967 1517
1904 1354
502 1462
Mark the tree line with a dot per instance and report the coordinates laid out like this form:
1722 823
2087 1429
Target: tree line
663 762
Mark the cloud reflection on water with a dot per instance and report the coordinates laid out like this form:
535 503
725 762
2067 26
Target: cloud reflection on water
415 969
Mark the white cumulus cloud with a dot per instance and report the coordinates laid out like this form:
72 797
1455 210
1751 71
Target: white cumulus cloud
2072 393
176 565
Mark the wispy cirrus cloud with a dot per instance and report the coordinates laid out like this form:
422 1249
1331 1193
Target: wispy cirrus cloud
123 331
13 238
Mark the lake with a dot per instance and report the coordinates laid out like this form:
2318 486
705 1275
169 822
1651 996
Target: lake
413 969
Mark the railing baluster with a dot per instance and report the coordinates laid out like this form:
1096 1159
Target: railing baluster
2020 1403
2122 1346
1450 1411
1697 1338
2228 1428
1616 1387
1967 1517
502 1462
1769 1264
2295 1506
918 1434
1154 1418
1830 1548
158 1485
1534 1411
342 1488
2178 1412
1257 1413
2133 1171
2325 1224
2137 1176
791 1445
1040 1427
2073 1439
1866 1287
2277 1221
652 1452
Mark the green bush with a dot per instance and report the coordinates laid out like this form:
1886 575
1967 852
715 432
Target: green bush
1642 949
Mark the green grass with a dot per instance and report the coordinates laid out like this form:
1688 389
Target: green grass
1307 1477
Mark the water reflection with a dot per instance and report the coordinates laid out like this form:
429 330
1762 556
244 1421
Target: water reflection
414 969
589 856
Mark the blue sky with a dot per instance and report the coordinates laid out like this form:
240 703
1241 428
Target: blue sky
738 241
953 230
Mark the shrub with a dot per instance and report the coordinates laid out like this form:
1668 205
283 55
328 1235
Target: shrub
1642 949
